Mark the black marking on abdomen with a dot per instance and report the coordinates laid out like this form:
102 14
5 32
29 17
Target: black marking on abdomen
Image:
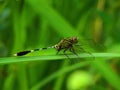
36 49
22 53
44 48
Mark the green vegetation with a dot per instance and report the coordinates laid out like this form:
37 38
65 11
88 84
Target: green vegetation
31 24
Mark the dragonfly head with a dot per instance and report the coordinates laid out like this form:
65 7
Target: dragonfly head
74 40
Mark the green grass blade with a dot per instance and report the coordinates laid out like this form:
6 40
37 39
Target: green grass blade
8 60
107 72
57 21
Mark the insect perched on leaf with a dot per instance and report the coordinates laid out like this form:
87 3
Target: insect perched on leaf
64 44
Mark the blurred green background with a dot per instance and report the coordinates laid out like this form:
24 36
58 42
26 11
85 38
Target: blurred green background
31 24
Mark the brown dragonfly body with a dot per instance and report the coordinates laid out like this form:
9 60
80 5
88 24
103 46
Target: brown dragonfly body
64 44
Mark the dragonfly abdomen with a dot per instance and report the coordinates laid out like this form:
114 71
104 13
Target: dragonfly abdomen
29 51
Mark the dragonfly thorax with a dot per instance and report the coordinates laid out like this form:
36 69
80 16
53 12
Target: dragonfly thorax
66 43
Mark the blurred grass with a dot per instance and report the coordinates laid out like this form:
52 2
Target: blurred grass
101 65
42 23
20 59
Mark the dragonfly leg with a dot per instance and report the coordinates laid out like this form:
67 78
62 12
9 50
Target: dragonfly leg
57 52
86 52
71 62
73 51
65 53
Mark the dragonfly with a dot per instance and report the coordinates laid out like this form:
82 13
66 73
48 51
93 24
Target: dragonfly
65 45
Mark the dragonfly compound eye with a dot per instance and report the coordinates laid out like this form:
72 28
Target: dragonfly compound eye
75 40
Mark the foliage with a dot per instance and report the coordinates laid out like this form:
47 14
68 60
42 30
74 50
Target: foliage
29 24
